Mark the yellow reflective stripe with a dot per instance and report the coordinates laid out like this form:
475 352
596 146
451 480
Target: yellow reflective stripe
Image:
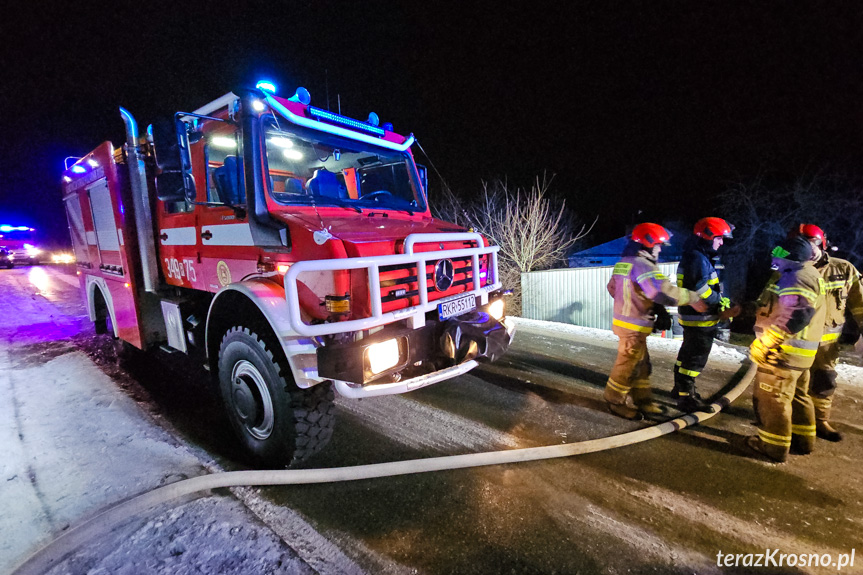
800 352
678 363
632 326
704 292
641 384
808 294
627 296
689 372
713 282
688 323
829 286
622 269
830 337
617 387
648 275
805 430
773 439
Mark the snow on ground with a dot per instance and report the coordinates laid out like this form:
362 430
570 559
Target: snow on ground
725 354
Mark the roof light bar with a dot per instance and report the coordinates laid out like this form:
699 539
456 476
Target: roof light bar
336 130
326 116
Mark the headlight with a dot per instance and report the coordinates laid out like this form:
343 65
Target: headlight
33 251
383 356
62 258
496 309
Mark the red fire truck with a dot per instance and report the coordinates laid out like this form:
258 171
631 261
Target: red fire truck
291 250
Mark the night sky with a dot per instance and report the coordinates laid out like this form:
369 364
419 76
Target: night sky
650 106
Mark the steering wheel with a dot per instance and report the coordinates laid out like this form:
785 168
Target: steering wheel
375 195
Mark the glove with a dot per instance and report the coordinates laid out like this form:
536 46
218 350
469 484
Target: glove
663 318
730 313
765 350
724 304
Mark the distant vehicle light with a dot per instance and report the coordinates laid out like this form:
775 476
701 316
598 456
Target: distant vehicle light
266 86
62 258
223 142
7 228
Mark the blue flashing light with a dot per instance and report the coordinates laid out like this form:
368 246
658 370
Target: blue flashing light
388 126
326 116
373 119
76 169
5 228
266 86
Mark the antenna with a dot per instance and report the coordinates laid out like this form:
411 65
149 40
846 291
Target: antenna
327 87
339 100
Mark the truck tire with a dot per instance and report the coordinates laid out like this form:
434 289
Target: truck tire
277 423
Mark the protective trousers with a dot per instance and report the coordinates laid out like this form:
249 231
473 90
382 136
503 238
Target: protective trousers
784 411
630 376
691 359
823 379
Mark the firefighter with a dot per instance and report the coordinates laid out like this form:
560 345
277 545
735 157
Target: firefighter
697 272
844 291
637 286
791 322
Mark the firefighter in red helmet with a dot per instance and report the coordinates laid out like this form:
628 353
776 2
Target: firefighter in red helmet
844 292
789 326
637 285
697 273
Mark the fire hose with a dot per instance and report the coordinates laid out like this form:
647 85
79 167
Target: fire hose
109 518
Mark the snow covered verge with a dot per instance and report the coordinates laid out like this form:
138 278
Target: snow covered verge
721 353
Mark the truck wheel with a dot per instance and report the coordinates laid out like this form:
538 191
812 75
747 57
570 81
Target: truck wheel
276 422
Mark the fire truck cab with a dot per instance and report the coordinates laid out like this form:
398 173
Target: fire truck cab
292 250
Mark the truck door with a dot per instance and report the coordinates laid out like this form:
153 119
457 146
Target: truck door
106 229
227 249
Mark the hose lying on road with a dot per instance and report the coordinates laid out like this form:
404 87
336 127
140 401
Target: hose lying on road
103 522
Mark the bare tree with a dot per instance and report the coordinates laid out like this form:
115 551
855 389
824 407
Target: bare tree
764 209
533 230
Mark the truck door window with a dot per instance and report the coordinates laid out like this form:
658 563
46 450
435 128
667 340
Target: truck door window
225 181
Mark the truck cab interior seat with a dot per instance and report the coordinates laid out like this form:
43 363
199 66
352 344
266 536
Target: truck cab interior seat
325 183
231 172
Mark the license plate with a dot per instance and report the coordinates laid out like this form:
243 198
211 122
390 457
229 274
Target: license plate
456 307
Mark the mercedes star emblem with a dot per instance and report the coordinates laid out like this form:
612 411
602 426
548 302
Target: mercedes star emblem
444 272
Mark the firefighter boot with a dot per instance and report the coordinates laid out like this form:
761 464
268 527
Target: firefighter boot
754 443
693 402
824 430
620 402
642 397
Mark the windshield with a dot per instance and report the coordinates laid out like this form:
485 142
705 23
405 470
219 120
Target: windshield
306 166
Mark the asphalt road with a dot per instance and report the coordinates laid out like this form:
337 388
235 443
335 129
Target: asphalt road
666 506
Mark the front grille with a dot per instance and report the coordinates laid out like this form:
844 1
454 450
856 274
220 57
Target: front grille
399 287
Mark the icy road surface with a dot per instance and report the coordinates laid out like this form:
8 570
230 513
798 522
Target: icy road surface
79 433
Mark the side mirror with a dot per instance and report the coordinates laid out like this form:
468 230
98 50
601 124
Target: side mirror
171 146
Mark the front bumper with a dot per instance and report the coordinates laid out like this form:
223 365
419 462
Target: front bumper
433 353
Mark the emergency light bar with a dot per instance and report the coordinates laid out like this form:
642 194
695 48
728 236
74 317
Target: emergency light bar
336 130
326 116
5 228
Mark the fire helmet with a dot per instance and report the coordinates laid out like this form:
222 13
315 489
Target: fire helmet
649 235
812 233
709 228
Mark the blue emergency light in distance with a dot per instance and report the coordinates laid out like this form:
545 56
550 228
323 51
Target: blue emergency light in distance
266 86
326 116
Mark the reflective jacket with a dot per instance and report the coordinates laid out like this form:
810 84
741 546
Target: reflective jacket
844 292
793 304
636 284
697 273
